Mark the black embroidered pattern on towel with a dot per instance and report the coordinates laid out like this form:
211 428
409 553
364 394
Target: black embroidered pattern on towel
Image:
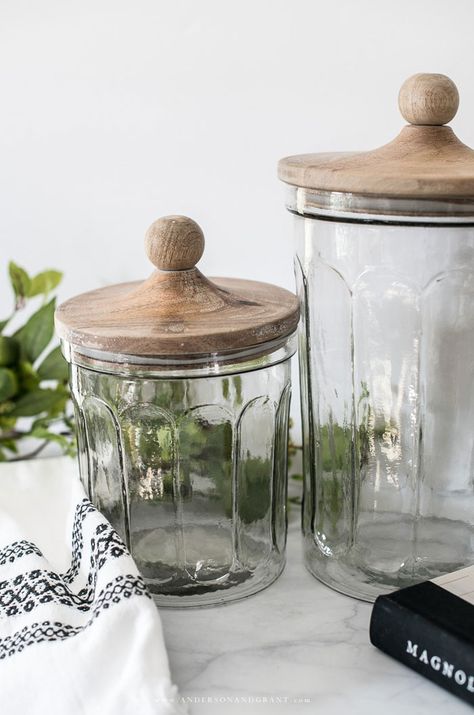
24 592
16 550
84 508
116 590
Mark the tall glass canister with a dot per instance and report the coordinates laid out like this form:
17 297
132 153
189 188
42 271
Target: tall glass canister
385 272
182 387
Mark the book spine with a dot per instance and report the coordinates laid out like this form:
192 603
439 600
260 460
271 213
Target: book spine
411 626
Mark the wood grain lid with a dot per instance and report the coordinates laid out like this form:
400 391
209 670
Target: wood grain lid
426 160
177 311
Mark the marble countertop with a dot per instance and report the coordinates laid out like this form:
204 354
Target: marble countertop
300 646
295 647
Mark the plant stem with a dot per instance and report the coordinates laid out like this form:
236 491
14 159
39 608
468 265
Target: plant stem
30 455
18 434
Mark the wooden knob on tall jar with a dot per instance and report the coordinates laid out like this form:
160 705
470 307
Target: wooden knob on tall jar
174 243
428 99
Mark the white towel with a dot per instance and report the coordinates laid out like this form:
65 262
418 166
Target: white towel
79 634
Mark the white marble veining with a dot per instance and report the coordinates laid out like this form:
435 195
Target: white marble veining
300 645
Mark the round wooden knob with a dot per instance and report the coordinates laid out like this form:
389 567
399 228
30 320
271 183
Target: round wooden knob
431 99
174 243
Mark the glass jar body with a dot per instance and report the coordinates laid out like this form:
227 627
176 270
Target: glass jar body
387 382
192 473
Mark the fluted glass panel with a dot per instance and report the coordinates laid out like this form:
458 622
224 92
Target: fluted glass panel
105 475
254 481
280 482
205 465
153 486
331 329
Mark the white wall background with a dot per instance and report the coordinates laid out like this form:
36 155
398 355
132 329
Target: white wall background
114 112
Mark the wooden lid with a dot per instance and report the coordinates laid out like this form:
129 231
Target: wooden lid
177 311
426 160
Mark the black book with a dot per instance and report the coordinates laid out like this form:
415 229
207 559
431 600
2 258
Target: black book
430 628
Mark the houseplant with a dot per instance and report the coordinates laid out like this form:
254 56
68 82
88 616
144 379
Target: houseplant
34 398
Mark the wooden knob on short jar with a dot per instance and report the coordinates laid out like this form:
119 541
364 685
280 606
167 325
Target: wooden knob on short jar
174 243
428 99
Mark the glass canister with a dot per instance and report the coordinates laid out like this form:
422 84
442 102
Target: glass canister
181 388
385 273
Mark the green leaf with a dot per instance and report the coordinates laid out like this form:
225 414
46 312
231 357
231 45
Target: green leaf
8 384
6 409
37 401
44 283
36 334
20 281
29 378
10 444
54 367
4 323
7 423
9 351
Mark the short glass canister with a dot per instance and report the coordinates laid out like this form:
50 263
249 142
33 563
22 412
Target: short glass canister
182 388
385 272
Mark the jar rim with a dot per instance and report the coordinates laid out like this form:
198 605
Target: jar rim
336 205
213 364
